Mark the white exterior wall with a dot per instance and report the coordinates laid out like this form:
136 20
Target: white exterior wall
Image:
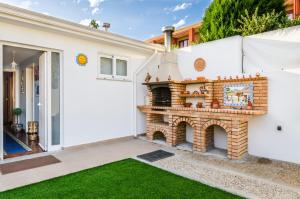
223 57
274 54
93 110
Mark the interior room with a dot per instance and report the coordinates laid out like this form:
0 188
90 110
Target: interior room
21 101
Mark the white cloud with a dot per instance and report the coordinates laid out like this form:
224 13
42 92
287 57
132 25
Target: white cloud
95 11
46 13
182 6
181 22
95 3
25 4
178 7
86 22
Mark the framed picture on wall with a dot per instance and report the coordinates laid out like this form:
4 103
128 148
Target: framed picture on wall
36 73
238 95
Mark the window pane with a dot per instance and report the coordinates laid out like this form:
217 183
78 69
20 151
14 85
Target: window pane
181 44
186 43
106 66
55 98
121 67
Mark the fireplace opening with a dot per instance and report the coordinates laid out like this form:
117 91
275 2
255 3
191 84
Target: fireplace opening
159 136
216 140
185 136
161 96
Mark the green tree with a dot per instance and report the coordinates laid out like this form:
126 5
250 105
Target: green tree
221 17
94 24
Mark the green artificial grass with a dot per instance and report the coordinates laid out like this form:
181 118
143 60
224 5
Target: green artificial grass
124 179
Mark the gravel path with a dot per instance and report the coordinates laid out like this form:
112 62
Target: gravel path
245 178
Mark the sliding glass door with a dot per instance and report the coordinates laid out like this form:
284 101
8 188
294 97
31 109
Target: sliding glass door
55 137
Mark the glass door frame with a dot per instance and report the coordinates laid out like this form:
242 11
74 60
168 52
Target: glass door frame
48 91
48 120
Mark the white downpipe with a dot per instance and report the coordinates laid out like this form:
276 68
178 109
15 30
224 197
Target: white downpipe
135 91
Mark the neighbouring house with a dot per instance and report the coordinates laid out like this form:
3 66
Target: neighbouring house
293 8
182 37
189 35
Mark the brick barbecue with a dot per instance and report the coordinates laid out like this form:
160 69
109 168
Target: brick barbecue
168 99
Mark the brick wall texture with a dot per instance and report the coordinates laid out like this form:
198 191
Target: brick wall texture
234 122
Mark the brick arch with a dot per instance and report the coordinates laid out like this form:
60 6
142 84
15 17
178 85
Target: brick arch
207 134
159 129
184 119
215 123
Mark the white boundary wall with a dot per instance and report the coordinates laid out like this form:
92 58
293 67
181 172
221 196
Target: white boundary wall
274 54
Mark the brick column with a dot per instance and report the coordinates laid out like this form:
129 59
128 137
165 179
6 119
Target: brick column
238 140
209 97
199 136
148 124
198 139
149 95
176 90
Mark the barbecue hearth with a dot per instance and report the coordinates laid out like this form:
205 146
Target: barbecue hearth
161 96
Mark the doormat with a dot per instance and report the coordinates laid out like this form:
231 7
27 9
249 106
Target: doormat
155 155
28 164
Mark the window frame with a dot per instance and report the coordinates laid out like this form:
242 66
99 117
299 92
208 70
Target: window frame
114 75
99 65
183 41
115 65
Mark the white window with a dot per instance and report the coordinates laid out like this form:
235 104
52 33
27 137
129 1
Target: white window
113 67
106 66
121 67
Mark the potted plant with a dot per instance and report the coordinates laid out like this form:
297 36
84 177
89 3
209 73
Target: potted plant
17 112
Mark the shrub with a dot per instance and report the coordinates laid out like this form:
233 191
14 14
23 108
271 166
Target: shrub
255 24
221 17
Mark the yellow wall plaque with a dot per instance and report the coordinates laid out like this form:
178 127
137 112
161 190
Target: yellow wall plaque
81 59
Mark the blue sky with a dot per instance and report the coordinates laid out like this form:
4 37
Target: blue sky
139 19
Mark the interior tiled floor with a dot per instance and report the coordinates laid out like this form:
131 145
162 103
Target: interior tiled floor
22 136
